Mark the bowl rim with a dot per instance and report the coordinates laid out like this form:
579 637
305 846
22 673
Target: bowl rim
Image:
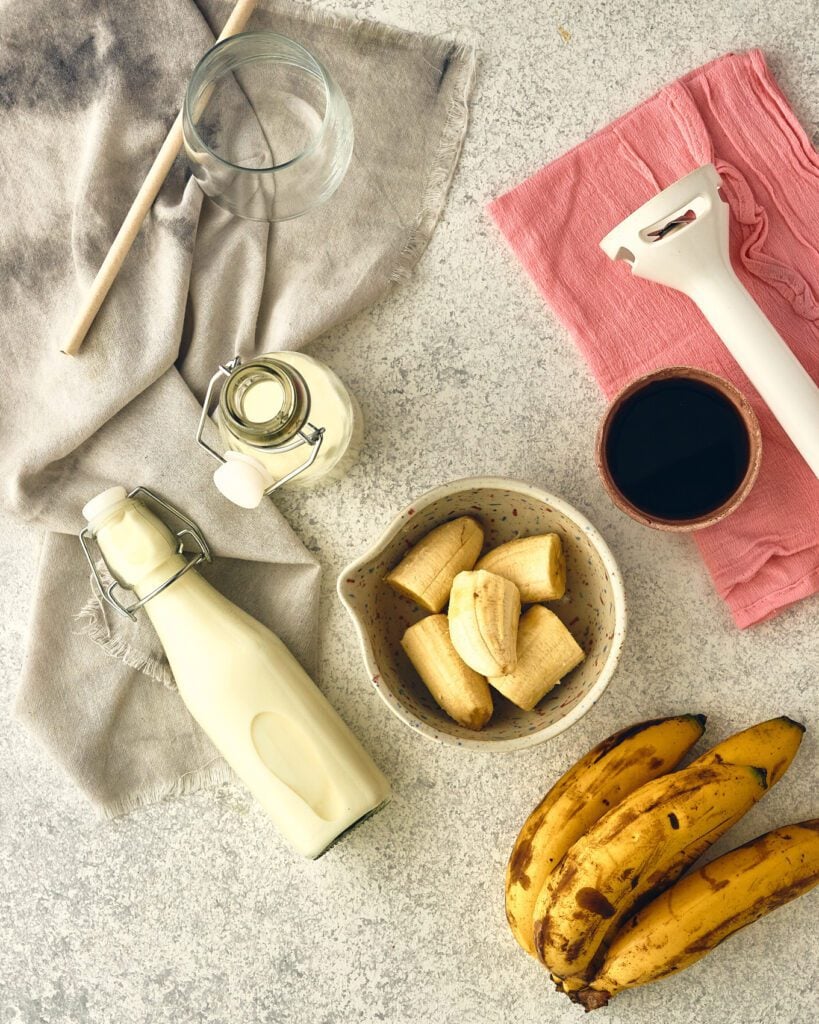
399 521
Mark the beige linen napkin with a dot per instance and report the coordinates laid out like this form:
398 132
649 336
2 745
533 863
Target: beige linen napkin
87 92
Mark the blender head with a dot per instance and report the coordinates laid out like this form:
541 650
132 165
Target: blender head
667 238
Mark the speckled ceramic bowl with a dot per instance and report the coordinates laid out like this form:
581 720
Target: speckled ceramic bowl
593 608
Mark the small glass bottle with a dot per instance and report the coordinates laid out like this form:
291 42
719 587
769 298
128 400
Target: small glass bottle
285 419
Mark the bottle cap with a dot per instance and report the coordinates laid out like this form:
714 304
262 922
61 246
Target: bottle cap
242 479
103 501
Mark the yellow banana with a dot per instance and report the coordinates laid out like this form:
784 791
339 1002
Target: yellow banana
534 564
546 652
596 783
771 745
460 691
634 851
426 572
695 915
484 610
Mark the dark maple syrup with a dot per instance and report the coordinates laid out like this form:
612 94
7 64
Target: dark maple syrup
677 449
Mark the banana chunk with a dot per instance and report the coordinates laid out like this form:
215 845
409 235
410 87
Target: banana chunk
461 692
535 565
484 610
426 572
546 652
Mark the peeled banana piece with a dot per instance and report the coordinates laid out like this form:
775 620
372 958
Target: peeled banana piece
638 848
484 610
457 689
426 572
771 745
695 915
596 783
546 651
535 565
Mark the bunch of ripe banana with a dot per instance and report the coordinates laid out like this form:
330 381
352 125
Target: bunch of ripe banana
592 884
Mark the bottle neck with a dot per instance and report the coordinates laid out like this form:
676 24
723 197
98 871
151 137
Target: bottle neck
156 577
265 403
139 550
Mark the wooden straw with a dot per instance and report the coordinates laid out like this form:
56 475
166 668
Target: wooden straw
141 205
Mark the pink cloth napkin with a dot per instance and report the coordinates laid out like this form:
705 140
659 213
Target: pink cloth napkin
732 113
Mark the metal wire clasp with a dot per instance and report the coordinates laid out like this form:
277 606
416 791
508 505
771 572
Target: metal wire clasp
189 529
310 434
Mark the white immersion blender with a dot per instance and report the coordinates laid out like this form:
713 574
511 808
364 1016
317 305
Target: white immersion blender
680 239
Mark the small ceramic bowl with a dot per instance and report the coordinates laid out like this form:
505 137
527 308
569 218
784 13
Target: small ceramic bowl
593 608
746 415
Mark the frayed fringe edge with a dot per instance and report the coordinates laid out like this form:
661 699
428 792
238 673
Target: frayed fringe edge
210 775
91 626
455 126
360 25
444 166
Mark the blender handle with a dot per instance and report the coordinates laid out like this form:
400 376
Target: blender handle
766 360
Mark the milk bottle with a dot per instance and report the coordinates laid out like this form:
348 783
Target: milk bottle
240 682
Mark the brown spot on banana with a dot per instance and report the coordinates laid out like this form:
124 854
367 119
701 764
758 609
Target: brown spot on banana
715 883
541 932
626 734
518 863
567 878
595 902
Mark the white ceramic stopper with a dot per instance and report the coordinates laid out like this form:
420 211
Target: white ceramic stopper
102 502
242 479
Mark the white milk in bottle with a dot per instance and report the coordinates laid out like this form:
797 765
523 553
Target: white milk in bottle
242 685
284 419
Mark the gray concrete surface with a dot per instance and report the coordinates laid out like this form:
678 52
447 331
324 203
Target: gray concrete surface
193 911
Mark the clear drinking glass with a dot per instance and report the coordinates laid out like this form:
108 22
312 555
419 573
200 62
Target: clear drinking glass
268 133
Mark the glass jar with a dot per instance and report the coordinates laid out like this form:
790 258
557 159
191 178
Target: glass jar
267 131
285 419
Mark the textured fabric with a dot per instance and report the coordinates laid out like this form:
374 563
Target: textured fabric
729 112
87 93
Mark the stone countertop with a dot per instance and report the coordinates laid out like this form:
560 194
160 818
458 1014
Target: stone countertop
194 910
